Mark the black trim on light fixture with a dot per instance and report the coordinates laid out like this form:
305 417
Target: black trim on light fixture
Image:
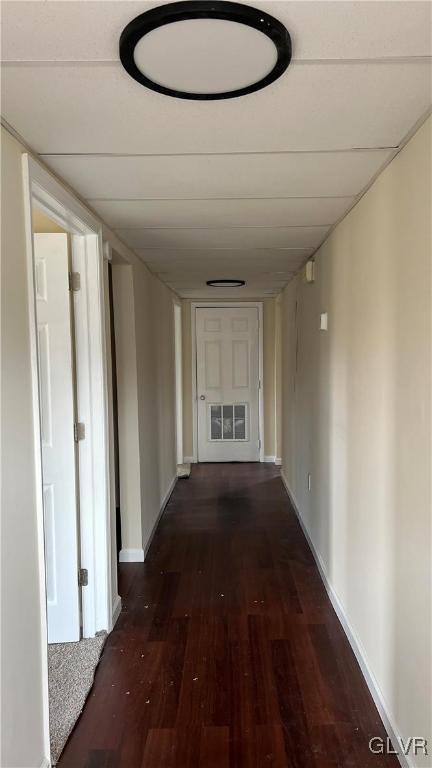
226 283
205 9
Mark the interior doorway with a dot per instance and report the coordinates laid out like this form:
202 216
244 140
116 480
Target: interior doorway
178 353
71 659
78 590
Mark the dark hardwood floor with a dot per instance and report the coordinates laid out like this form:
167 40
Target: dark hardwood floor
227 653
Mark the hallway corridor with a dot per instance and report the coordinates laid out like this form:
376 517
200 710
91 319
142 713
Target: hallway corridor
227 652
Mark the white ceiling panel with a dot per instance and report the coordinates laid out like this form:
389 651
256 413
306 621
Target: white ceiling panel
253 288
219 213
243 188
235 237
248 291
233 273
330 174
100 109
266 283
260 259
90 30
264 270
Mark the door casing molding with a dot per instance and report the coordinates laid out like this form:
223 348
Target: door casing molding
231 304
87 258
43 189
178 375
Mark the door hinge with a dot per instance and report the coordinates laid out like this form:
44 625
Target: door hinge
259 443
259 383
79 431
83 577
74 281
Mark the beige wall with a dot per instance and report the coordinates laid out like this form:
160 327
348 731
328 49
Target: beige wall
127 404
144 330
269 380
278 376
356 414
187 379
42 223
154 328
23 648
22 645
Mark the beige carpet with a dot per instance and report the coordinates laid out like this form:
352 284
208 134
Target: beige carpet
71 668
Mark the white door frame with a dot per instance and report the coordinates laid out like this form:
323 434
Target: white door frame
42 189
240 304
178 377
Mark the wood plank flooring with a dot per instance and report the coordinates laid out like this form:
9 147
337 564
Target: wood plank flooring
227 653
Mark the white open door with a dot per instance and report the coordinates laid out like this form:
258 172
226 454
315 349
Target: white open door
227 341
57 434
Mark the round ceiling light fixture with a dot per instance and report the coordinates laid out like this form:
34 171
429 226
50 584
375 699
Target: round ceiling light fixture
226 283
205 50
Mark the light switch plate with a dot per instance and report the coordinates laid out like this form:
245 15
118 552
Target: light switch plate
323 321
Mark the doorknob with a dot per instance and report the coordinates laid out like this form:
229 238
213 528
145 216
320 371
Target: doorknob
202 397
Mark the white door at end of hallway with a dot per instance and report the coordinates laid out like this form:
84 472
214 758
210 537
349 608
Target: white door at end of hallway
56 387
227 346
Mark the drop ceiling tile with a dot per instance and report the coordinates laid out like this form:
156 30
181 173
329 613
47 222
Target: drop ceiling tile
90 30
236 237
204 291
231 294
258 259
265 283
218 213
231 271
326 174
264 268
100 109
95 108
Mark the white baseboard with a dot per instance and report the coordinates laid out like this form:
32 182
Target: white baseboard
116 610
131 556
353 640
138 555
168 494
45 763
188 460
162 509
273 460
